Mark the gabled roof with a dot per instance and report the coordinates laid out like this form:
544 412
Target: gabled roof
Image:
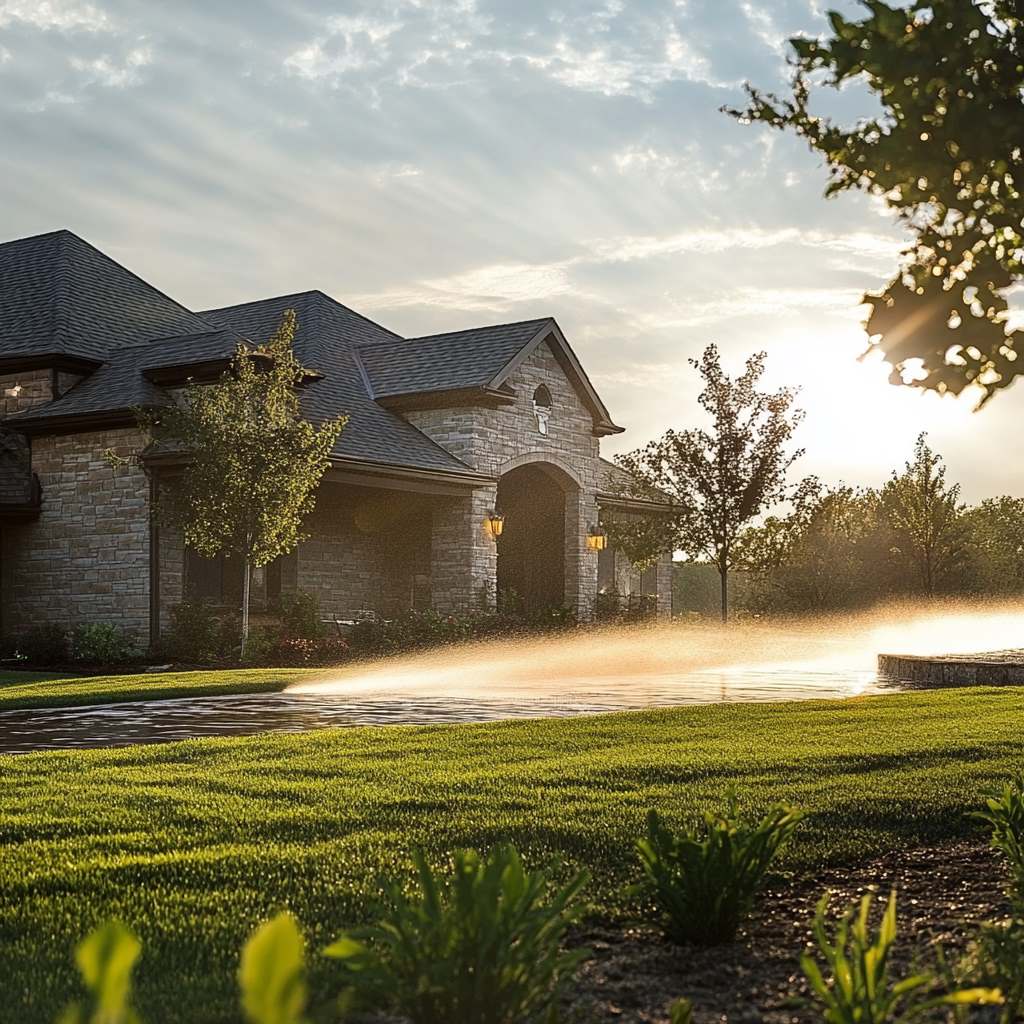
61 297
446 362
63 303
326 337
480 359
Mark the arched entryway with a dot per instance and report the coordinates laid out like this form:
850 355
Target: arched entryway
531 548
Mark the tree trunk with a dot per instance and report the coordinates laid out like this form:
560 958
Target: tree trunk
246 577
723 575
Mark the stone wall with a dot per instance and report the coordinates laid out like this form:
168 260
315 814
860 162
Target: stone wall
368 552
494 441
86 558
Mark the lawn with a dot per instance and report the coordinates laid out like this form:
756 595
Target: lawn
49 690
193 843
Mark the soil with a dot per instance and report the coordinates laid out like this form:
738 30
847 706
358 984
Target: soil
635 975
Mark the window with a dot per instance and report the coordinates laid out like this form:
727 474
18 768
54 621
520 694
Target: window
542 407
218 580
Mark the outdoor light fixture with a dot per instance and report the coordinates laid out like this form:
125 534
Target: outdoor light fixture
495 522
597 539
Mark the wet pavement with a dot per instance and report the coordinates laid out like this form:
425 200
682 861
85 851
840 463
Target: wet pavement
162 721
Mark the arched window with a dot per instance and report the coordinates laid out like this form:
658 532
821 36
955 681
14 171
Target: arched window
542 407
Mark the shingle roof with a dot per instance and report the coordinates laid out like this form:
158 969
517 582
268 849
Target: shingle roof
60 295
443 362
326 336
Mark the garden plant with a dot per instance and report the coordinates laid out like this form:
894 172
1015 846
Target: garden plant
704 880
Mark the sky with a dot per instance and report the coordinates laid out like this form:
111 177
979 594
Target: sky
440 164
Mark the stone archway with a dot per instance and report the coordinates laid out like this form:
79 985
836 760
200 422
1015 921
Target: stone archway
531 572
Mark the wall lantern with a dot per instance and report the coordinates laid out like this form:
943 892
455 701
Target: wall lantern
597 539
495 523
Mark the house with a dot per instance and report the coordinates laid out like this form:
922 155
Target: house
443 430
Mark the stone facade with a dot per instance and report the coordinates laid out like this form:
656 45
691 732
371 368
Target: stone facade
371 551
495 441
19 392
86 558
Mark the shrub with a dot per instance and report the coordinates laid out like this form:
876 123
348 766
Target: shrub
43 645
300 616
194 632
859 989
705 882
101 643
1004 812
485 949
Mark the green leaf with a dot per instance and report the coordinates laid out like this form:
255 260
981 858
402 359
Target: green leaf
106 958
272 973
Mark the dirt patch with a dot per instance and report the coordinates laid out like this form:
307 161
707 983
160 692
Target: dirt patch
943 891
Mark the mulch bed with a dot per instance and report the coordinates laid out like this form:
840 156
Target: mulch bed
635 975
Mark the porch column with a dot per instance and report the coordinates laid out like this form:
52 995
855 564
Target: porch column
464 556
580 561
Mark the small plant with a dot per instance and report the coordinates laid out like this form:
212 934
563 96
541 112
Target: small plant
272 974
1004 812
100 643
859 989
105 959
705 882
996 960
484 949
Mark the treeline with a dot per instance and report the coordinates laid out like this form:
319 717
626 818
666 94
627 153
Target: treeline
844 547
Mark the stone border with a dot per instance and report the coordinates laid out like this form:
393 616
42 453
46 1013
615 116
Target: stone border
1001 668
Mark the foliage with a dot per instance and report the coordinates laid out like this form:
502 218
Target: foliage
193 632
995 960
416 629
924 514
272 973
194 844
46 644
859 989
301 618
823 554
1004 812
995 544
254 461
843 547
101 643
105 959
717 480
945 155
705 881
485 949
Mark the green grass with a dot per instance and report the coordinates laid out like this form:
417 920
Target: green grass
46 690
193 843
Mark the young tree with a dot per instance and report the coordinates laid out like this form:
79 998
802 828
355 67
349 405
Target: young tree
717 480
925 516
946 154
253 461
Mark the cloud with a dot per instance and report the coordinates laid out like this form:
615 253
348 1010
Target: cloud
57 15
113 73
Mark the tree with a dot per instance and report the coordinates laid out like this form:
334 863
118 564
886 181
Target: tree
946 154
925 516
822 555
253 461
995 532
716 480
